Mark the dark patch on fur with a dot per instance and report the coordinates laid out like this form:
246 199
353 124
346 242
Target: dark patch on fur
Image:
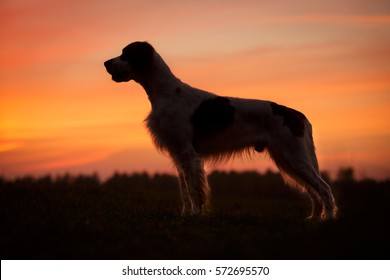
293 119
139 55
178 90
212 116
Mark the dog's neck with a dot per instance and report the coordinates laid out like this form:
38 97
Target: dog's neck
160 83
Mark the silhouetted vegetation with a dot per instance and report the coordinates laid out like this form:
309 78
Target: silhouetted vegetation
252 216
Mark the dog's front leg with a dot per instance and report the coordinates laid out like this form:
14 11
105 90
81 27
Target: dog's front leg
192 174
184 193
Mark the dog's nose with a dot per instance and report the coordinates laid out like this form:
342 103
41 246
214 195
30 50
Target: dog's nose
107 64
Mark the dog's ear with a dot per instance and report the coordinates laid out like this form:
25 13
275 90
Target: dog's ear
139 55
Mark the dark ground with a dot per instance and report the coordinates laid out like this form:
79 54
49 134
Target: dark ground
136 217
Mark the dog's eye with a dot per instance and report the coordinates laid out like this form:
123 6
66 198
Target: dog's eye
125 55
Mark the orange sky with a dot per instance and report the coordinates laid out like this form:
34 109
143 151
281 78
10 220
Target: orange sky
60 112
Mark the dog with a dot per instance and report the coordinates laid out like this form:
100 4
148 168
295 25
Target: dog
193 126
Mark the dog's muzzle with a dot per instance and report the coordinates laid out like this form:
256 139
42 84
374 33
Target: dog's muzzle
117 76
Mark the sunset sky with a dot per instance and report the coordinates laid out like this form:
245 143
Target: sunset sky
60 111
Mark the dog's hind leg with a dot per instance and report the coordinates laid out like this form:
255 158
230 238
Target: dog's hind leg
316 183
191 172
316 202
294 157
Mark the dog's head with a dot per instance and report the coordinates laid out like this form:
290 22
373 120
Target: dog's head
135 60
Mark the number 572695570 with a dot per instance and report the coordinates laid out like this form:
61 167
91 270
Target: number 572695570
252 270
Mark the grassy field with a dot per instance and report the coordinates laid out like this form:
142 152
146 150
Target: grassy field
136 217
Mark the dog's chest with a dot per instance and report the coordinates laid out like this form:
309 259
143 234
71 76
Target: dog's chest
169 126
